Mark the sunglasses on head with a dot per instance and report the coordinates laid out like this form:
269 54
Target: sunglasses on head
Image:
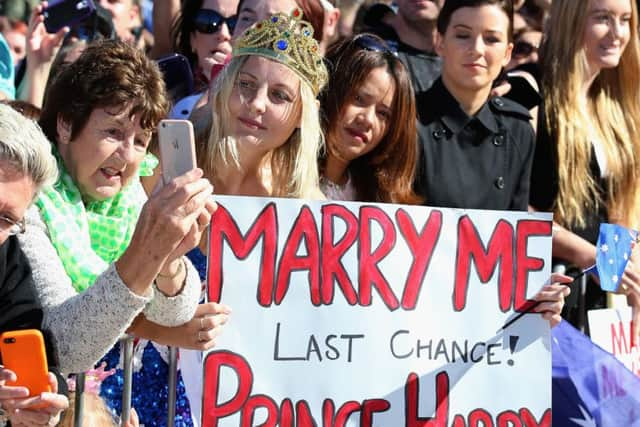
522 49
209 21
372 44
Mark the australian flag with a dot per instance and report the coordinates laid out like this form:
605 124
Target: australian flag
612 254
590 386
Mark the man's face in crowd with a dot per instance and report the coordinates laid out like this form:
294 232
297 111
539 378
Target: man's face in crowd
253 11
419 10
125 15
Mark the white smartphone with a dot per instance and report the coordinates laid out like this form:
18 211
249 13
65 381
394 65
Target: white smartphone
177 148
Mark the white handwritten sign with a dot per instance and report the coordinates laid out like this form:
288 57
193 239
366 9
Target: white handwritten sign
349 314
611 329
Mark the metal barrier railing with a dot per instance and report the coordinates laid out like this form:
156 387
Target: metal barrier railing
127 379
127 363
78 408
173 386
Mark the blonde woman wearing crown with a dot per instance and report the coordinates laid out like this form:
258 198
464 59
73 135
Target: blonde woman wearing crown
265 135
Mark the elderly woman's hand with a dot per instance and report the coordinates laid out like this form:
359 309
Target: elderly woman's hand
199 333
194 236
552 297
170 224
21 409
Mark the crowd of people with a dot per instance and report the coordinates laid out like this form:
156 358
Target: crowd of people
479 104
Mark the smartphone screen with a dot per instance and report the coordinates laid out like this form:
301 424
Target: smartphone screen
61 13
177 148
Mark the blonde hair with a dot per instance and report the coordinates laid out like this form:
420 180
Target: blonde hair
96 413
612 110
25 148
293 165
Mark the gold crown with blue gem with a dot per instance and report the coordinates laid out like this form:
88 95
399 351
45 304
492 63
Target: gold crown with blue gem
289 40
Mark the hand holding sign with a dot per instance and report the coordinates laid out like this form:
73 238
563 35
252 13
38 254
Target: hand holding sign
551 298
201 331
549 301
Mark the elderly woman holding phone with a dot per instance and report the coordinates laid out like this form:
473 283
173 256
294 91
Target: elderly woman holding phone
103 256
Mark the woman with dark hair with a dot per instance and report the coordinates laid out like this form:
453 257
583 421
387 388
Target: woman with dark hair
202 33
368 117
476 149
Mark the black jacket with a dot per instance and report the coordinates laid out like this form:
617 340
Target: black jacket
424 67
19 304
479 162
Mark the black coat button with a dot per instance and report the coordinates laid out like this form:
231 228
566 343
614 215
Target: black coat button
439 133
499 102
500 183
498 140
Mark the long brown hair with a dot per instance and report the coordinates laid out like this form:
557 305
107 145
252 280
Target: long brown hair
386 173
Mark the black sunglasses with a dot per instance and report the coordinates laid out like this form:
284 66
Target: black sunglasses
209 21
372 44
522 48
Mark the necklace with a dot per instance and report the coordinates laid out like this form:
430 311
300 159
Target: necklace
327 182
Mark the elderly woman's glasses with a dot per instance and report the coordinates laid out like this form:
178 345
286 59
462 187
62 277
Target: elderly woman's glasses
11 227
209 21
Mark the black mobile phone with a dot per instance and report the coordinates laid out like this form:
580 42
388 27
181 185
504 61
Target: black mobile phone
66 13
177 74
523 92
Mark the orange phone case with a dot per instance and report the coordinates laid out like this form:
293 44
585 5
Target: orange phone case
23 352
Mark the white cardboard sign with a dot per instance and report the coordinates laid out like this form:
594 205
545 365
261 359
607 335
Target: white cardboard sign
352 314
611 329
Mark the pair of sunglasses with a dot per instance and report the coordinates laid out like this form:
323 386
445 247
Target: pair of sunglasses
522 49
373 44
209 21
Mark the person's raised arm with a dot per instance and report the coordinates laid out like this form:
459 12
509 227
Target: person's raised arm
572 248
165 13
42 48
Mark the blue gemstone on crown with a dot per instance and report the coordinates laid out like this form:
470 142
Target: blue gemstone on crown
288 40
282 44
